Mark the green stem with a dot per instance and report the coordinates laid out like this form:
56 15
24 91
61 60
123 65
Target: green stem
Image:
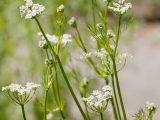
87 112
101 114
106 18
115 97
63 72
62 114
115 68
86 51
114 109
70 88
45 104
93 14
23 112
59 100
80 39
118 34
119 90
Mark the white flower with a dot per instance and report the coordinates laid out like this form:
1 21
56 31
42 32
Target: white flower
97 37
60 9
110 34
101 53
12 88
51 38
66 38
30 10
85 55
123 57
126 55
98 100
31 85
72 21
49 116
120 7
107 88
112 46
151 107
42 44
20 94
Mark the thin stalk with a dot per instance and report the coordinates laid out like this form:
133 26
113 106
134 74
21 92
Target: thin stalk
106 18
118 34
115 68
115 97
70 88
87 111
58 95
57 101
85 50
119 90
45 104
56 90
62 114
93 14
114 109
23 112
63 72
101 114
80 39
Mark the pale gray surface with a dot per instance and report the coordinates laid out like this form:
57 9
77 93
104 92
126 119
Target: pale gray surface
140 79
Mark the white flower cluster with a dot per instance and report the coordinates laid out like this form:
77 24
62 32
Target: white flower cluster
151 107
110 35
123 57
120 7
30 10
84 55
101 53
21 90
97 37
66 38
60 9
20 94
49 116
98 100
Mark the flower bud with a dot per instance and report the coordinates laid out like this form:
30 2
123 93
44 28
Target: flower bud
100 26
49 62
60 9
72 22
43 44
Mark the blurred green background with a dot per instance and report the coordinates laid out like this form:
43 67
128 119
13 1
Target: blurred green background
21 60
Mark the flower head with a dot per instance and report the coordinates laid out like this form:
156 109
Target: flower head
98 100
64 40
60 9
21 94
30 10
43 44
120 7
123 57
84 56
72 22
151 107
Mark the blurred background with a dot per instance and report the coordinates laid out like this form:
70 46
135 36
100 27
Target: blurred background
21 60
